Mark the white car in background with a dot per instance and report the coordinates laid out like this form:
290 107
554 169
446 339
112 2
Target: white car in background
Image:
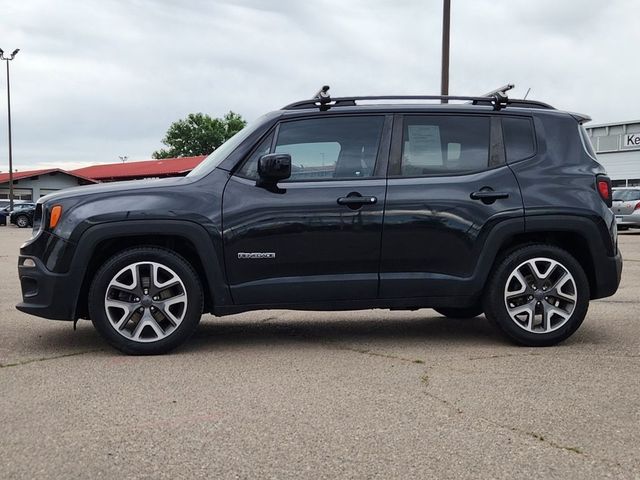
626 207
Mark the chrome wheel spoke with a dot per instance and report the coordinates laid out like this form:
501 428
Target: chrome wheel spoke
133 284
165 307
127 309
566 283
528 309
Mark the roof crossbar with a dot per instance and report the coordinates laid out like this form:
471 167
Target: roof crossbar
323 101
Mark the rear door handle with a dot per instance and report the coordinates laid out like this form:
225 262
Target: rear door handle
488 196
354 200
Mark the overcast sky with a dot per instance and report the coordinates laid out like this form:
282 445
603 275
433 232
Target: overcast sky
98 79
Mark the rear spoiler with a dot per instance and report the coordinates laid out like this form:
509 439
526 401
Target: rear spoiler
580 117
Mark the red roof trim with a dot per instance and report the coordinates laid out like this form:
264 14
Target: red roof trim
4 177
145 168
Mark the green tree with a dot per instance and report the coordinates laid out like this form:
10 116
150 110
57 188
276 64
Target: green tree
199 134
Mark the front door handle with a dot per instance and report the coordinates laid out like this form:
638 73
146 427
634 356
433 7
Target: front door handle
354 200
488 196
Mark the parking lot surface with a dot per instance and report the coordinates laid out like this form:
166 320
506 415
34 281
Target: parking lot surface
282 394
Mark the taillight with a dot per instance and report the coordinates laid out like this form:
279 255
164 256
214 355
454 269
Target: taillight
604 189
637 207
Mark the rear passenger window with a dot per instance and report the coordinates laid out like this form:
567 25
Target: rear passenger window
518 138
444 144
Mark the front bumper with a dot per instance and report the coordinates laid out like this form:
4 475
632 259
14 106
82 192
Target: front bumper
51 285
44 293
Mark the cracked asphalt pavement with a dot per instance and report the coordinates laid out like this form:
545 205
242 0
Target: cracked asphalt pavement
282 394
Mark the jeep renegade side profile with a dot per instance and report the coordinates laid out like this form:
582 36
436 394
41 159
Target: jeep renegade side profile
494 206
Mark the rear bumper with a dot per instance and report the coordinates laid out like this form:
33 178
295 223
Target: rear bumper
608 275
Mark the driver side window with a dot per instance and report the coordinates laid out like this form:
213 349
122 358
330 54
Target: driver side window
324 148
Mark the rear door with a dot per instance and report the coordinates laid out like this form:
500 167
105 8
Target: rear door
317 238
448 186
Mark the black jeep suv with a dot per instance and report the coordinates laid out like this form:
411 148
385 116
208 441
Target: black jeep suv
494 206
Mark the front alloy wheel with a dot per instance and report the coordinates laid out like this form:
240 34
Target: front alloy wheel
146 300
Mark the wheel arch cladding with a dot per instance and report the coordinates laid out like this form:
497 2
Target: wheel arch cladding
188 239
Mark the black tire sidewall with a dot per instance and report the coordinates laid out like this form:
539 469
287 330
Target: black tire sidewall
166 257
496 310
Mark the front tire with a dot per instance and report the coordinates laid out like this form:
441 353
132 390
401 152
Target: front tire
146 301
538 295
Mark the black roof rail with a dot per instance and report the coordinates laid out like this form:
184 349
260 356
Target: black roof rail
517 102
323 101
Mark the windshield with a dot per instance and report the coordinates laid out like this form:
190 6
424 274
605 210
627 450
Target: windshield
223 151
626 195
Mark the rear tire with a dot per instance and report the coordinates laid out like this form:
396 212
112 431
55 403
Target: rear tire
146 301
538 295
459 312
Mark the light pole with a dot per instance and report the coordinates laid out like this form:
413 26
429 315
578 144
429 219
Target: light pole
7 60
446 24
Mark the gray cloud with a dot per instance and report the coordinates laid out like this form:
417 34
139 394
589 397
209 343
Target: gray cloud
98 79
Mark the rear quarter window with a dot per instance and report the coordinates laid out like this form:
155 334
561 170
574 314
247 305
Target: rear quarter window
519 140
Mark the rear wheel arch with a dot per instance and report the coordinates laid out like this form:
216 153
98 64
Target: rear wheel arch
579 236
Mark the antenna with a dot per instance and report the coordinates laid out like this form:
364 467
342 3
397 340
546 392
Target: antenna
526 94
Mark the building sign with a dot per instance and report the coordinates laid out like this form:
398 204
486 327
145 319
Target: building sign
631 141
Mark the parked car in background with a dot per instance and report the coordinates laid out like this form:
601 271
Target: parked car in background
22 214
4 204
626 207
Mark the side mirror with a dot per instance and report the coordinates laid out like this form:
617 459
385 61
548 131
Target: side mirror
273 167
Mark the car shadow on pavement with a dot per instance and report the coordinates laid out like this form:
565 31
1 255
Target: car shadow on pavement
213 333
59 340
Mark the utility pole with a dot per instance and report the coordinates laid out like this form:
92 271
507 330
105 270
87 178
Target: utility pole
7 60
446 25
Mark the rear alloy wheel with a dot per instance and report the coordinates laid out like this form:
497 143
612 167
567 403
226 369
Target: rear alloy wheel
22 221
146 301
459 312
538 295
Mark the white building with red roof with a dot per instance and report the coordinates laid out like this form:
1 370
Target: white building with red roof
33 184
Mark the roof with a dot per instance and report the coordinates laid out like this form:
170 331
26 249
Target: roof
145 168
4 177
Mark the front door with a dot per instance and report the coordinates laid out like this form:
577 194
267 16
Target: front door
448 185
317 238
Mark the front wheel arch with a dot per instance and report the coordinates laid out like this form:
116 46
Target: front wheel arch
188 239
